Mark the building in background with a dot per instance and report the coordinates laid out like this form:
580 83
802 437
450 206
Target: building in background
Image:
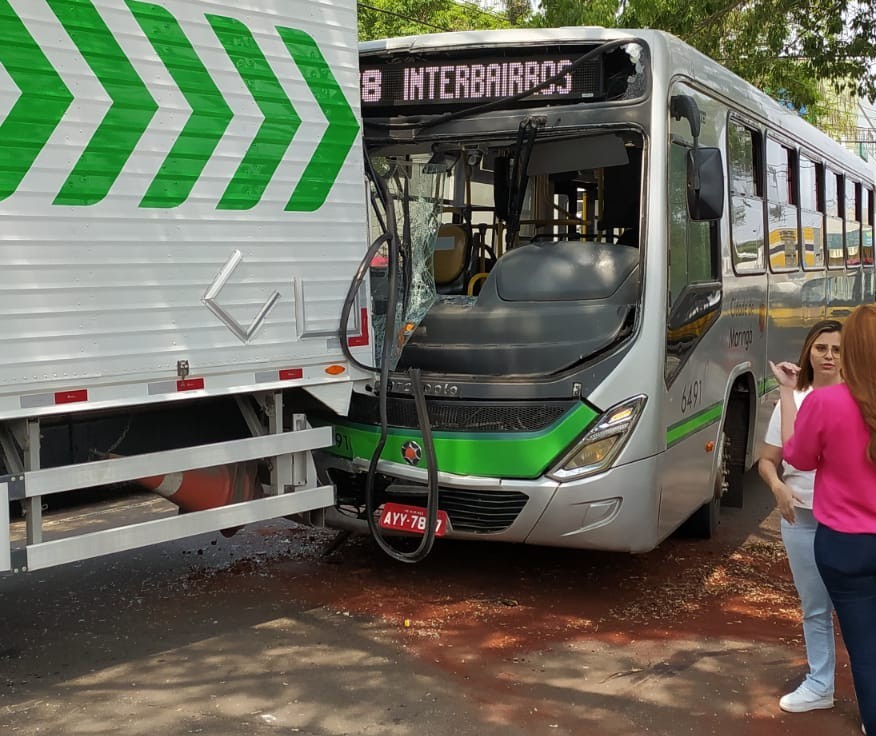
850 120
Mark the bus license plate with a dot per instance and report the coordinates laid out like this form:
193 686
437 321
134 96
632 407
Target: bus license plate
404 518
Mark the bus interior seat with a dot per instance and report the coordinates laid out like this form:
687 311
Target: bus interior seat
451 251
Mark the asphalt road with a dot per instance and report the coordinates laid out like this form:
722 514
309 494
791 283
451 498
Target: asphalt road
264 634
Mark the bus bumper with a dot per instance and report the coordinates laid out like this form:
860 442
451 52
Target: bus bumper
616 510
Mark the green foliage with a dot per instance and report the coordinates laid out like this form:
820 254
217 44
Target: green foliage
788 48
576 13
388 18
785 47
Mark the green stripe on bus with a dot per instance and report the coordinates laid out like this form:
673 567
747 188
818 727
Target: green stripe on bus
503 455
766 385
690 425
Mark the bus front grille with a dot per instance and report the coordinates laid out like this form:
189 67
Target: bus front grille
467 416
481 512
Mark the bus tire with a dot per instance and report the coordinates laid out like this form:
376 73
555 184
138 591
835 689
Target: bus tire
735 431
729 472
703 523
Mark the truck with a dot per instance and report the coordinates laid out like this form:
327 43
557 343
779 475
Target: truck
183 218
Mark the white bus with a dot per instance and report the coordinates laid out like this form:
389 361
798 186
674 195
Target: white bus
624 232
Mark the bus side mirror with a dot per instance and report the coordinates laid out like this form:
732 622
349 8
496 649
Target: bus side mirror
705 184
685 107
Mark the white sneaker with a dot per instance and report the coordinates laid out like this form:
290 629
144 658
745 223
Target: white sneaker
803 699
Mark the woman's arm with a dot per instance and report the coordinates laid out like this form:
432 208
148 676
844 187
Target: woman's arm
786 375
768 467
789 412
805 446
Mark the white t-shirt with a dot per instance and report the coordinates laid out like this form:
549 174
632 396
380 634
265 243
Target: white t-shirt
802 482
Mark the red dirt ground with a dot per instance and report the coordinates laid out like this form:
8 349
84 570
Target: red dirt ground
483 611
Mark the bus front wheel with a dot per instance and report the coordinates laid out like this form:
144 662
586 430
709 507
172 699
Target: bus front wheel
703 523
729 472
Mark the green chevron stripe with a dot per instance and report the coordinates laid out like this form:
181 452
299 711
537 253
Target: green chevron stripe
280 119
43 101
210 113
322 170
124 123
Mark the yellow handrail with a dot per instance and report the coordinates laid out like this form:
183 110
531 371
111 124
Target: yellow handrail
473 280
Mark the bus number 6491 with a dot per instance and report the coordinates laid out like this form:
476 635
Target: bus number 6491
691 395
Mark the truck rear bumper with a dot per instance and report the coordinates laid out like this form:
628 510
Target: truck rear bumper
37 554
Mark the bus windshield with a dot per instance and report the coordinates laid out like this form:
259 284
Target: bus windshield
521 249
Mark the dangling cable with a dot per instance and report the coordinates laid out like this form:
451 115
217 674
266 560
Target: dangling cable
391 238
428 540
376 195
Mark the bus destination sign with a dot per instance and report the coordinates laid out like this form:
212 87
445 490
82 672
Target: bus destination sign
449 83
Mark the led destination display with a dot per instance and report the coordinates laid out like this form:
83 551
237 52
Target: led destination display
453 83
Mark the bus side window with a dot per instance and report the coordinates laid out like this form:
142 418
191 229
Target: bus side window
853 223
784 237
745 152
867 227
690 248
694 287
811 214
833 221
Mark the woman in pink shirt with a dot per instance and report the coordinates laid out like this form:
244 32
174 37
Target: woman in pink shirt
793 489
834 433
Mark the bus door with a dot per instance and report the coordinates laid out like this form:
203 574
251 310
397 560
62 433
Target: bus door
693 306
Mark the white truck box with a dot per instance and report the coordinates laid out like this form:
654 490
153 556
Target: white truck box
182 212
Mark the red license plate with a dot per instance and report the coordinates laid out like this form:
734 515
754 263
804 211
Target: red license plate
404 518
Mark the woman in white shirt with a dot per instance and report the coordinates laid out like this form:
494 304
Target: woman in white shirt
818 366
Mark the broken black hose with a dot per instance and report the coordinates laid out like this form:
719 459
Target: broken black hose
391 238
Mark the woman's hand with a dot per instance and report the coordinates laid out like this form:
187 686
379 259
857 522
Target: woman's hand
786 373
785 499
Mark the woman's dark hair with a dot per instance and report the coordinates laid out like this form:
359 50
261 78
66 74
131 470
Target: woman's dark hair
807 374
857 366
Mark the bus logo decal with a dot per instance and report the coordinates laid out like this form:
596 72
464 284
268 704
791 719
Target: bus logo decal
411 452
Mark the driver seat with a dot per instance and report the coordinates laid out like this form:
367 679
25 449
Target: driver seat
451 251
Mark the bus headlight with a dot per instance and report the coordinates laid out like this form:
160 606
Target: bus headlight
600 445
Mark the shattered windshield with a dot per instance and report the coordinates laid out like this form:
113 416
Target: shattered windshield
519 253
416 188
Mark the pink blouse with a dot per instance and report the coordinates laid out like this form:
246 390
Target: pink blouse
830 437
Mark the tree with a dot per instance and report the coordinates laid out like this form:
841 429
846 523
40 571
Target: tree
518 12
785 47
387 18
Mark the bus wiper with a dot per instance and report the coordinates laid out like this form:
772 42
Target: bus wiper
517 176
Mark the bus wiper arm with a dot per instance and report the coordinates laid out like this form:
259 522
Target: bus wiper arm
517 175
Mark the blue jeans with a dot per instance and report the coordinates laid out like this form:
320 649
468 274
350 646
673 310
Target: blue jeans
847 563
799 539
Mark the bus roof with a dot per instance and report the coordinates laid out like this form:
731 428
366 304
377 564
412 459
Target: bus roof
686 61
